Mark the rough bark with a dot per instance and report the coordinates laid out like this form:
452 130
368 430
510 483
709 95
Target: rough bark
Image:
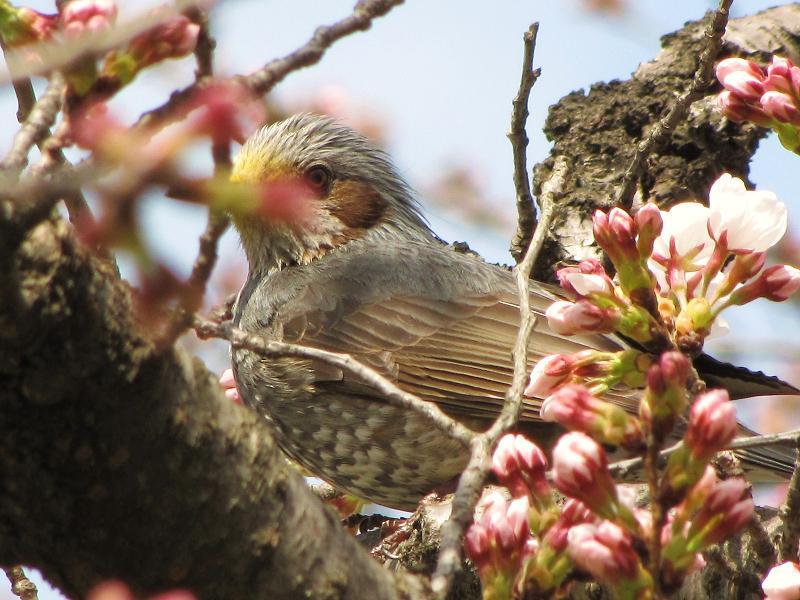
118 462
598 131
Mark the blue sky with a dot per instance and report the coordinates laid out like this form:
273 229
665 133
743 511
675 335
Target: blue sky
442 75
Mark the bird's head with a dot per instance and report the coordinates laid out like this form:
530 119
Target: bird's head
347 188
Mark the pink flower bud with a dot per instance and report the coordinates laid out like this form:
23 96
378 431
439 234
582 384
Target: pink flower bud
520 465
576 408
549 373
580 470
615 232
573 513
172 39
587 277
573 406
782 76
728 508
669 371
87 16
649 224
571 318
605 550
782 582
744 84
228 384
781 107
775 283
743 267
781 281
712 424
730 65
497 539
739 110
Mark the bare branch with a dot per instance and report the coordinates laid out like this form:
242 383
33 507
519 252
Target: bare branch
195 286
394 394
217 223
310 53
473 478
20 584
661 131
23 89
204 50
526 211
36 127
622 468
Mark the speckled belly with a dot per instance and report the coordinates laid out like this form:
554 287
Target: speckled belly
368 448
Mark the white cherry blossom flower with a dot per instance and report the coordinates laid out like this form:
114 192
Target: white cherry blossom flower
685 231
782 582
753 220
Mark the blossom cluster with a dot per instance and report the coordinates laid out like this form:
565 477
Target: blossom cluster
528 544
23 28
675 272
767 97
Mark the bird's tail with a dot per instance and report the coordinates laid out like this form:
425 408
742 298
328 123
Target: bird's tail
741 382
766 464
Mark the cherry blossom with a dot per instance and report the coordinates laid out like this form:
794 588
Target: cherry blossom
750 220
782 582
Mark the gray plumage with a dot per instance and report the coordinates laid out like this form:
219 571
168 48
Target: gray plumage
440 323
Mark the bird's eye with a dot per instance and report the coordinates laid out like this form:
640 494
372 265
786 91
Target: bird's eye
320 177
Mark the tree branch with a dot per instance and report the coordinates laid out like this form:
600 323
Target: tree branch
662 129
606 123
36 126
217 222
310 53
472 480
526 211
20 584
394 394
145 472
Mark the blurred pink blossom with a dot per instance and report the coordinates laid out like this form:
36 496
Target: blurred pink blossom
87 16
782 582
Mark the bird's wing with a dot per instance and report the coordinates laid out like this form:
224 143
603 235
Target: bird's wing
439 323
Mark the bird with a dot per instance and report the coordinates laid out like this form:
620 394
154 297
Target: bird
362 273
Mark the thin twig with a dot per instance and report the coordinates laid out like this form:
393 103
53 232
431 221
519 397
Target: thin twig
395 395
195 286
622 468
204 49
790 516
310 53
23 89
47 56
517 134
651 465
20 584
36 126
217 222
663 128
473 478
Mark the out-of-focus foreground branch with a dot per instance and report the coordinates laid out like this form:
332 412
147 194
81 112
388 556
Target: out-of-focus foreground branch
118 461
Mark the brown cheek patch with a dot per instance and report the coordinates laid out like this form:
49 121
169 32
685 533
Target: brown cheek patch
356 204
